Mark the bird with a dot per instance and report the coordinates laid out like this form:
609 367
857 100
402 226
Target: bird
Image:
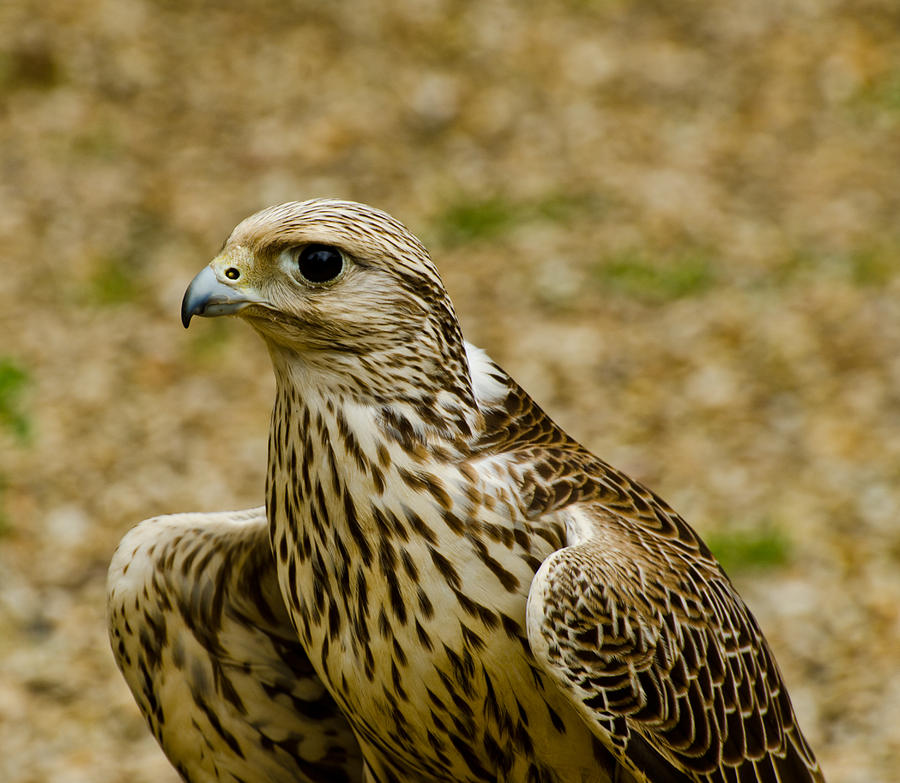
469 593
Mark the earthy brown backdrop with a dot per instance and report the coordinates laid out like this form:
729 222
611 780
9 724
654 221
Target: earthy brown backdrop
675 223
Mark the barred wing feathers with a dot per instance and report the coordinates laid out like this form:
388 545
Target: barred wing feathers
640 627
199 629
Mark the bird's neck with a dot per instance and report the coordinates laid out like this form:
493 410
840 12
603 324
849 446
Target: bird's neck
347 473
336 455
433 408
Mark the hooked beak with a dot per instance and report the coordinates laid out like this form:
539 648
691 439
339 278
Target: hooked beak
207 296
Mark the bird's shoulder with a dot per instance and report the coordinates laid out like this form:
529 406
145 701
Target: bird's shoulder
553 471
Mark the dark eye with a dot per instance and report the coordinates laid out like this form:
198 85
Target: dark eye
320 263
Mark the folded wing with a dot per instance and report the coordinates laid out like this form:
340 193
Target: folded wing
661 657
199 630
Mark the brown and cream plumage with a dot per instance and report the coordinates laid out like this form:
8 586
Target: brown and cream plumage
482 598
200 631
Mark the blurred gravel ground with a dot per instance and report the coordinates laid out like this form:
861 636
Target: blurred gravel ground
674 223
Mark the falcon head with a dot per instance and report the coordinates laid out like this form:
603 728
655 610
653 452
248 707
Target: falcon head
338 287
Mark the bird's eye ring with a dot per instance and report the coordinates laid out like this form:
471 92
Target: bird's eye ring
232 273
320 263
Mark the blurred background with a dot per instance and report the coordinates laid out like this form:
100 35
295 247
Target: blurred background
676 224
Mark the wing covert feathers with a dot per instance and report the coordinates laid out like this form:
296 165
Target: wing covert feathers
656 650
201 634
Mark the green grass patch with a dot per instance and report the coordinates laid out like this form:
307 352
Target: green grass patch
873 266
114 281
881 94
467 219
743 550
13 381
633 274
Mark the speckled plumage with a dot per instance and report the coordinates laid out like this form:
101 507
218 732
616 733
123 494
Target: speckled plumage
201 634
482 597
